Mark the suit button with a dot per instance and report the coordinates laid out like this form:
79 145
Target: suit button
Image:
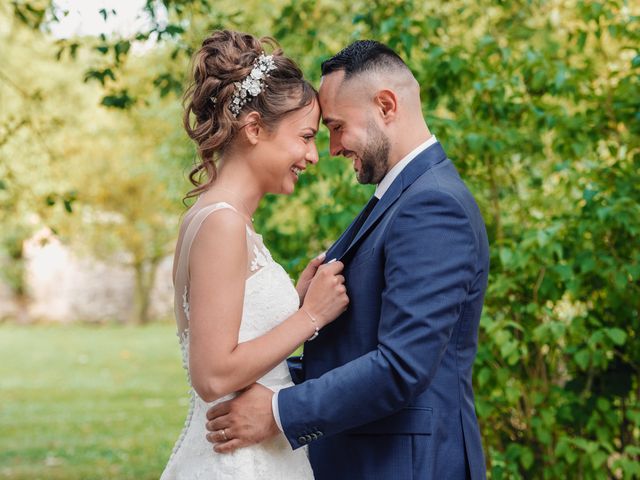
302 440
314 436
320 434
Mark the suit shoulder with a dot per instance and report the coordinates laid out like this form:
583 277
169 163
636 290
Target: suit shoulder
443 181
442 189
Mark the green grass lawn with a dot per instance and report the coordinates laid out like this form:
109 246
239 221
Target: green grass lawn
82 402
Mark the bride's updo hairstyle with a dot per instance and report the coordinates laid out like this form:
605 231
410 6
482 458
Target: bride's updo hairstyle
227 57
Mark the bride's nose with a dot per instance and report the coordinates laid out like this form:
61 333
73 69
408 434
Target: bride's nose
312 155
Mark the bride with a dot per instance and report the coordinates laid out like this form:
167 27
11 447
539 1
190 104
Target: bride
254 119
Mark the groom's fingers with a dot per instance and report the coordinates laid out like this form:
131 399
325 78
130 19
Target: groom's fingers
219 410
230 446
219 423
215 437
221 435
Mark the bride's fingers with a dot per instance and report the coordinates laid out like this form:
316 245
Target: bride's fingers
317 261
230 446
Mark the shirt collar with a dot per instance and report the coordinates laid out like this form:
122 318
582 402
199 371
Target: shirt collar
391 175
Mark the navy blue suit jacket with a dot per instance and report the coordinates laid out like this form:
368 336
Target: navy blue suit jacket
385 391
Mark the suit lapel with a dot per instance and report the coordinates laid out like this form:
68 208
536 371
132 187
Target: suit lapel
339 246
423 162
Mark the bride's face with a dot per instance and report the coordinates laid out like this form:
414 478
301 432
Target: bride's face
286 152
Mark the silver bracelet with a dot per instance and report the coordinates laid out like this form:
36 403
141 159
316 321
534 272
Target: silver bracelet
315 325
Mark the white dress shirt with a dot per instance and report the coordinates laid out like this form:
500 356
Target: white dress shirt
381 188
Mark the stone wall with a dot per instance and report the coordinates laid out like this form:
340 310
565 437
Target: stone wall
65 287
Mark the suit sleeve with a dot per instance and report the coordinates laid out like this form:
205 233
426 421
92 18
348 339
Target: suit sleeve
430 255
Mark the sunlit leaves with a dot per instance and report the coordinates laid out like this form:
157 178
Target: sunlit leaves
32 13
100 75
167 83
118 99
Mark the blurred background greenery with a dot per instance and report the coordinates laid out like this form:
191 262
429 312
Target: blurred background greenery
536 102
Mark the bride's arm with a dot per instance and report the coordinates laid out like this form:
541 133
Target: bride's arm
219 364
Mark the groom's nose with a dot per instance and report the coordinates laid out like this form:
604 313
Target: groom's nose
335 147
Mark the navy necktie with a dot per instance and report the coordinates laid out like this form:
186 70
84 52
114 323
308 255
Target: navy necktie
363 217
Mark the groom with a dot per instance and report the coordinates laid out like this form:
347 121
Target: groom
385 391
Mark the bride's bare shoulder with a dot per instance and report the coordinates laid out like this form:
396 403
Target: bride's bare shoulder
219 231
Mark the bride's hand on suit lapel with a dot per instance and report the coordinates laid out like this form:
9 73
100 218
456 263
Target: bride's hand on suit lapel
307 275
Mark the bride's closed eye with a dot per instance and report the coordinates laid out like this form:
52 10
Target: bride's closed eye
308 136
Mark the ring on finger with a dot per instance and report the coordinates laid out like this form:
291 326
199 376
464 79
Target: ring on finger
224 434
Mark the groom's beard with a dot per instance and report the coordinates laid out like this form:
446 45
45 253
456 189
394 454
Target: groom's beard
375 156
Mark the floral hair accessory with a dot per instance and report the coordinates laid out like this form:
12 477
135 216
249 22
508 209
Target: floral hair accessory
253 84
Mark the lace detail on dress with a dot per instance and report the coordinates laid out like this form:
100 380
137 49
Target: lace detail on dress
261 258
183 339
259 255
185 305
269 298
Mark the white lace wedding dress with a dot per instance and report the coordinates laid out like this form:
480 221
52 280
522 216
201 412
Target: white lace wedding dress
269 298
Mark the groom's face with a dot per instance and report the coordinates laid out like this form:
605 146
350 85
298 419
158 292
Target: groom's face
353 131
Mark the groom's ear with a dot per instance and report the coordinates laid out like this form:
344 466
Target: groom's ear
386 103
252 127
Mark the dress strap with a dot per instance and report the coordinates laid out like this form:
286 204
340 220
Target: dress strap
181 281
192 230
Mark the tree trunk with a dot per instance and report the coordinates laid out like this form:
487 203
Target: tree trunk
14 274
145 274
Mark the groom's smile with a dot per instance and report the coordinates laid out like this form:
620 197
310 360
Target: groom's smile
356 161
353 131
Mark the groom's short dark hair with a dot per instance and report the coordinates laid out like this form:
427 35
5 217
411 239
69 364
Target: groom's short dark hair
361 56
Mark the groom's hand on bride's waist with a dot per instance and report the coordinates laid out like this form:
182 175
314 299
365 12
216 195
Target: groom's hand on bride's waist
243 421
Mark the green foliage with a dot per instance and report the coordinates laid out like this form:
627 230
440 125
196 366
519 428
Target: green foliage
537 105
74 167
35 120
